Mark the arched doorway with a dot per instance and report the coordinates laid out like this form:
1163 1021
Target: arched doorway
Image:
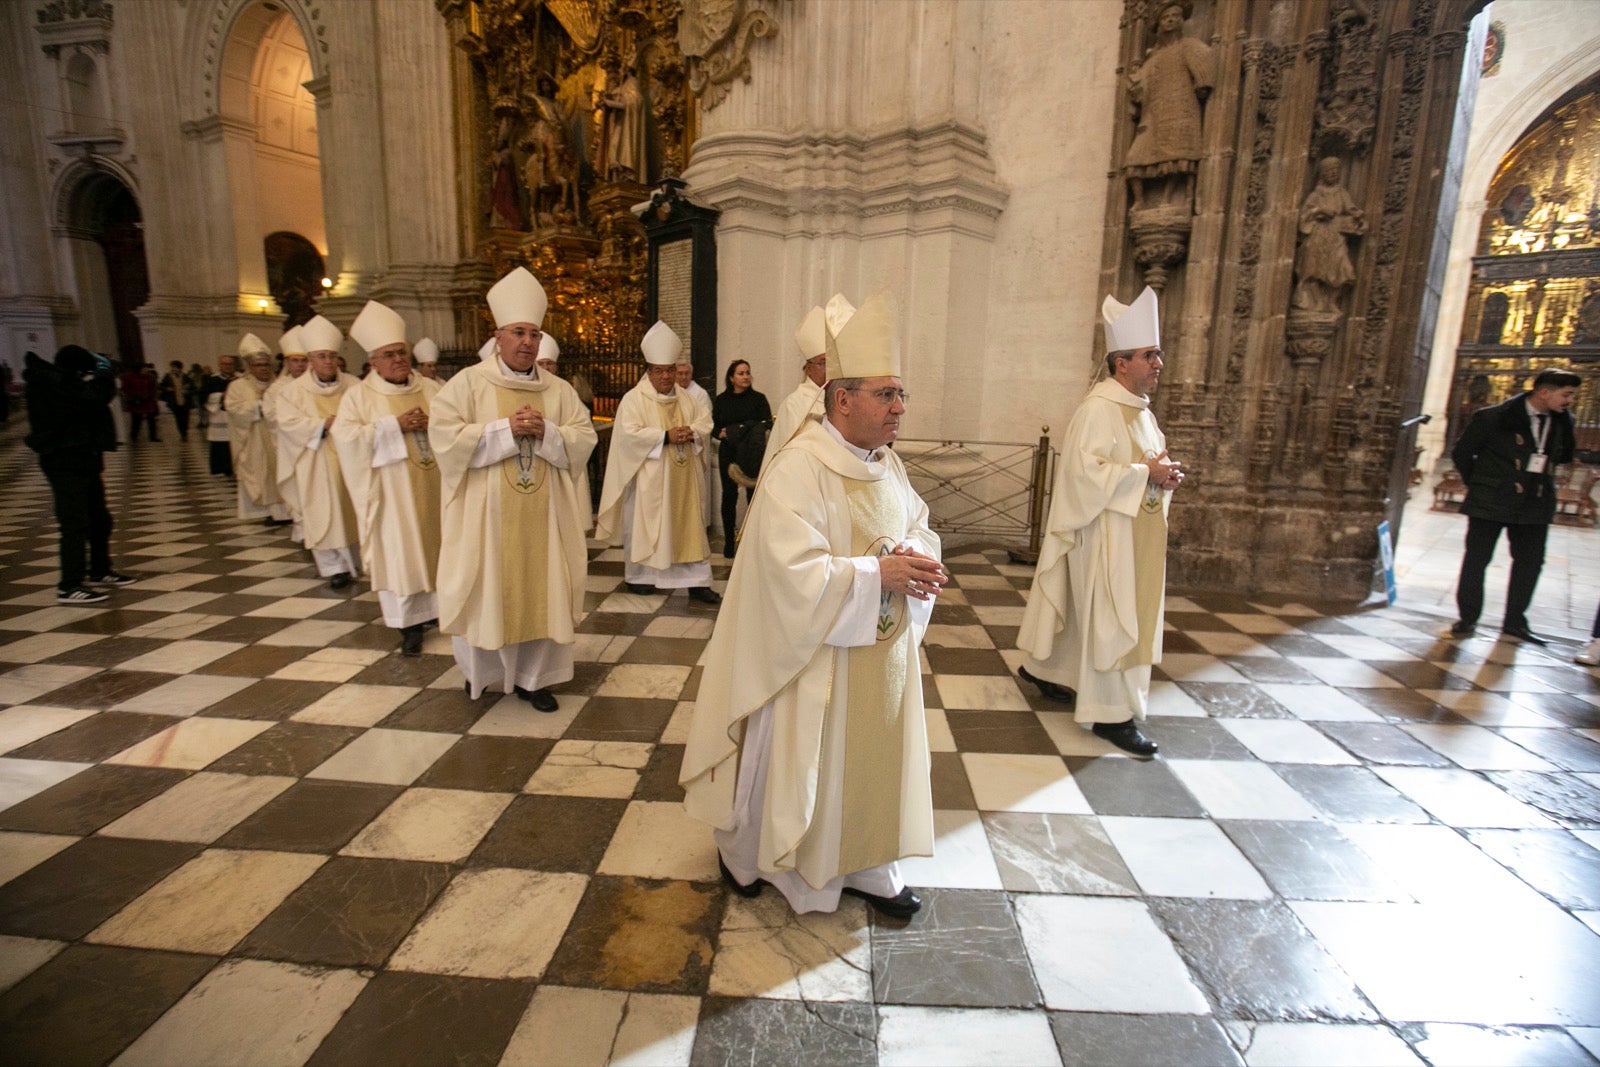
104 231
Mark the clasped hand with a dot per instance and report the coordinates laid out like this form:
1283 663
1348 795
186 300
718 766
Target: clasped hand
1165 473
680 435
913 573
414 420
526 422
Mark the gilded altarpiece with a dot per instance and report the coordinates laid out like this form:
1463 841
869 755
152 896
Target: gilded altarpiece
1276 178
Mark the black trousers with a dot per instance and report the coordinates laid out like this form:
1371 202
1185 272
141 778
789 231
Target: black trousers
1526 541
135 418
180 416
85 522
730 510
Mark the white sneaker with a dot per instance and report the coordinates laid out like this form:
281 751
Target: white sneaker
1589 657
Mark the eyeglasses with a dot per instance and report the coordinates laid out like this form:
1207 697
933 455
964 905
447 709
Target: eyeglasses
885 396
817 361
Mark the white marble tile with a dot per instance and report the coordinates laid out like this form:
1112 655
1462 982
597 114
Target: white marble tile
312 632
646 680
915 1037
209 903
1371 649
170 583
361 657
186 694
1319 703
600 648
1477 749
948 636
1489 709
389 757
591 769
1436 865
658 839
1456 1044
961 856
1184 858
21 956
434 825
1012 782
1322 1045
1498 678
766 950
1461 798
1106 955
248 1012
1194 667
998 614
177 626
511 716
1236 789
1072 739
676 731
310 670
1257 624
1351 674
24 684
597 1027
355 705
982 692
43 646
1286 741
680 626
531 910
176 602
1168 698
24 724
940 739
22 778
21 852
200 808
284 588
190 744
292 607
1222 643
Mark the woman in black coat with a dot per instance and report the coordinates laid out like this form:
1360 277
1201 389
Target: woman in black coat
732 413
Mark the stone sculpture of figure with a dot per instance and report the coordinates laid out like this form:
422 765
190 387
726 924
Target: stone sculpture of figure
1322 265
1169 87
627 152
549 170
505 206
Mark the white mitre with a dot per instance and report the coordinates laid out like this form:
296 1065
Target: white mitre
378 327
868 344
838 312
292 343
812 336
489 349
425 350
548 349
320 335
518 297
250 345
1130 327
661 347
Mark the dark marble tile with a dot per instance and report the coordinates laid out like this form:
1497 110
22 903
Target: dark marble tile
225 582
1189 738
614 622
90 1002
691 685
1003 636
550 833
994 597
487 764
1381 743
1272 669
1235 700
621 719
945 660
1567 710
1258 962
415 671
108 652
659 779
1326 625
426 1020
108 623
953 615
1000 731
1312 861
240 604
1460 1045
1199 622
1567 750
1089 1039
1414 675
1175 641
375 638
1116 786
1564 797
951 789
257 661
1039 852
1552 861
89 799
1403 706
350 913
1292 645
680 651
288 748
732 1033
95 738
248 630
641 935
1351 794
104 690
272 699
586 678
446 711
83 885
1564 678
963 949
312 816
342 609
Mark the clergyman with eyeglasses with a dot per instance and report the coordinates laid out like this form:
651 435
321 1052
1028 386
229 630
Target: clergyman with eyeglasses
808 747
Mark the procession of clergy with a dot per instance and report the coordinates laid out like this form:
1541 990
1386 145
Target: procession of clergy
466 505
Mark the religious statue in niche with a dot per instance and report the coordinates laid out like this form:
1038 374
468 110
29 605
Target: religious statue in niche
1169 87
551 170
626 138
1328 216
505 206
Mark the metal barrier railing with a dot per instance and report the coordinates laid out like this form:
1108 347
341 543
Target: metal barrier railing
984 492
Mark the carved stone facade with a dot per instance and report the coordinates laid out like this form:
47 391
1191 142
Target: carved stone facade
1293 315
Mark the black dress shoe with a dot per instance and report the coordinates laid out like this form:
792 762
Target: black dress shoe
705 594
1463 629
541 699
640 590
902 905
1522 633
340 580
1059 693
411 640
1126 736
751 890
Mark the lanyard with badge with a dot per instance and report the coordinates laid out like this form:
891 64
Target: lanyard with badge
1541 433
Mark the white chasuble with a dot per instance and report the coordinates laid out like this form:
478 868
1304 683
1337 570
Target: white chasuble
302 409
653 498
249 436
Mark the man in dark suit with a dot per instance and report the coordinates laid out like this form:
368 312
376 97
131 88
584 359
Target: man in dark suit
1507 457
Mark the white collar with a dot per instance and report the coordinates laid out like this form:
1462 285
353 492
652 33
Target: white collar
864 455
529 375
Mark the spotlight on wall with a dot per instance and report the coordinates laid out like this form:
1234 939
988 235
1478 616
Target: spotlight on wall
327 283
261 306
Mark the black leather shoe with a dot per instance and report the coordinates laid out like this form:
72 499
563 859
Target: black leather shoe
751 890
541 699
340 580
1522 633
1126 736
705 594
1051 691
640 590
1463 629
411 640
902 905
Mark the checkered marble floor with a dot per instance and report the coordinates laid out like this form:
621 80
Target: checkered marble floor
235 825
